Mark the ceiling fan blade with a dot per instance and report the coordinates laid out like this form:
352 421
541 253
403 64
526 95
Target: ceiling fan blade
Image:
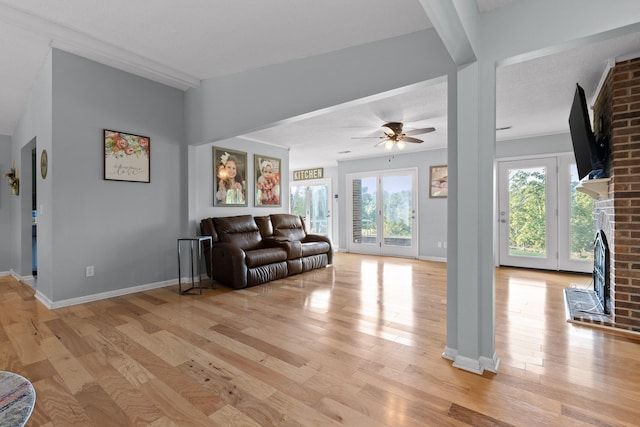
411 139
419 131
381 142
388 131
368 137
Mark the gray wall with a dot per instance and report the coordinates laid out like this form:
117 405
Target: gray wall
127 231
432 225
535 146
232 105
6 160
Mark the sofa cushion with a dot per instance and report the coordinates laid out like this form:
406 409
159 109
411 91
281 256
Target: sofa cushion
258 257
264 225
315 248
241 231
289 226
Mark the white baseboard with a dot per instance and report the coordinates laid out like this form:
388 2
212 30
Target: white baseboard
28 280
102 295
5 273
433 258
477 366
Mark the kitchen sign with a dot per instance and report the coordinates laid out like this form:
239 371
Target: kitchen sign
314 173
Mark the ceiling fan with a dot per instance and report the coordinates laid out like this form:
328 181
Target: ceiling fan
395 137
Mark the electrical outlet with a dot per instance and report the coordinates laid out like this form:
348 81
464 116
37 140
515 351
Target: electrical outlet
439 244
89 271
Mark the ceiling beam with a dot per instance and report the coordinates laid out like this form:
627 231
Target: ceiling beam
454 21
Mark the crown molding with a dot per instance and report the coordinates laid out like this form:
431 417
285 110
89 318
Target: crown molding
87 46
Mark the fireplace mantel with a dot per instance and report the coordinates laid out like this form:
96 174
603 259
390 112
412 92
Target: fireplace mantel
596 188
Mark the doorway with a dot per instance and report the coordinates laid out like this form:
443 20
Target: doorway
28 241
544 223
383 212
311 200
34 216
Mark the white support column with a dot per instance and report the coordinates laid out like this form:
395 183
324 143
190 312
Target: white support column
471 286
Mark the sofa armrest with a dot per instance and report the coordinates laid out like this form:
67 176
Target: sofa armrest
320 238
293 247
228 265
317 238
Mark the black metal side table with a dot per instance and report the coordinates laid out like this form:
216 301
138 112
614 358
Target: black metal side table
192 241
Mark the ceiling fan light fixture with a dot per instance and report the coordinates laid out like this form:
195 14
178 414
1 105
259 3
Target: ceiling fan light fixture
393 135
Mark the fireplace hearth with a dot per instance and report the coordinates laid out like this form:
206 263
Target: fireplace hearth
586 305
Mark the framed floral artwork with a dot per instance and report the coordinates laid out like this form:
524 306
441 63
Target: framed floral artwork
439 180
229 177
267 185
126 157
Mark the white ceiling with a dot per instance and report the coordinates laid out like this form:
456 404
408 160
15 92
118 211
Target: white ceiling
182 42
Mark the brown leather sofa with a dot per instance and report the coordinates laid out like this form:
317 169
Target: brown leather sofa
247 251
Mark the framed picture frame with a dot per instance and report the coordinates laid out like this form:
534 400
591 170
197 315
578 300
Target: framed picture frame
438 181
126 157
229 177
267 181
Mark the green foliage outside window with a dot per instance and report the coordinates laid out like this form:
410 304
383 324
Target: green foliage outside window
527 213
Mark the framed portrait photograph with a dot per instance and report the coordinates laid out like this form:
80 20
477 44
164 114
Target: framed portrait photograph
229 177
439 181
126 157
267 185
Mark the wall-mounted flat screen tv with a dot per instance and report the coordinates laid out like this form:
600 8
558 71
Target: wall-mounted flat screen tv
590 154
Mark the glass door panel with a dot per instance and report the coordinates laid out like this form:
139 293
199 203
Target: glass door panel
383 212
544 222
311 201
581 220
318 221
398 215
527 226
364 222
576 230
298 202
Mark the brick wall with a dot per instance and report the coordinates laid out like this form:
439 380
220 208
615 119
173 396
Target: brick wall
617 114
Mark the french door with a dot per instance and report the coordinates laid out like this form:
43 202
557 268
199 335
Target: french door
311 200
382 208
544 222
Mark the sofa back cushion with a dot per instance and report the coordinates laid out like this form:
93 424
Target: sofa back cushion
264 225
207 229
289 226
241 231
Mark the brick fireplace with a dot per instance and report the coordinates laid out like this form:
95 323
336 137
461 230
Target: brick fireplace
617 115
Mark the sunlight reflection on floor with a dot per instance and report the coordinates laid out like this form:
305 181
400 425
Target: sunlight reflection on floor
386 291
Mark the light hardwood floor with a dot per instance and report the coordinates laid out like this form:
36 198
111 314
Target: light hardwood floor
356 344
